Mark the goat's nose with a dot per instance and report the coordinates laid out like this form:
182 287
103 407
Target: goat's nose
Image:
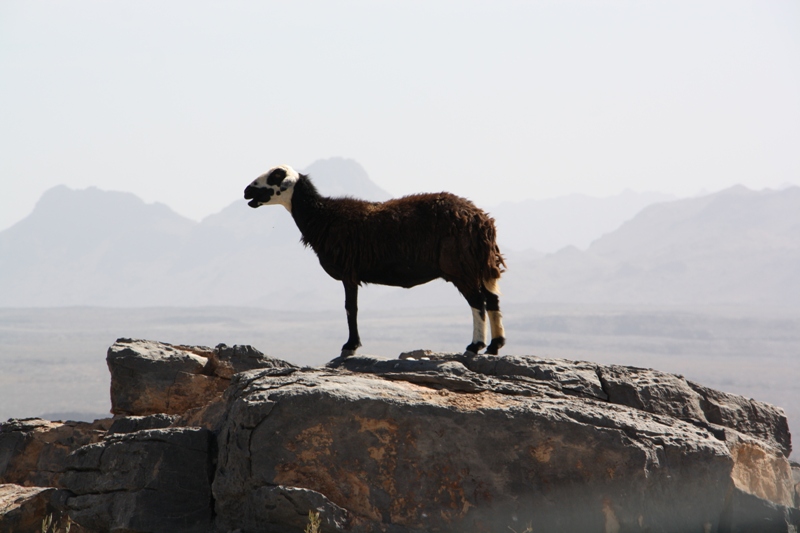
249 193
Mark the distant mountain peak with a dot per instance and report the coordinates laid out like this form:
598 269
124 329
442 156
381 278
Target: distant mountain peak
339 176
737 190
64 210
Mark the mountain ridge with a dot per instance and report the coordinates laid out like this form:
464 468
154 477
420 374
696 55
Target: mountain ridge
93 247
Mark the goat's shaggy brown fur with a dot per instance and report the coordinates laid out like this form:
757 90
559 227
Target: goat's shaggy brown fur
402 242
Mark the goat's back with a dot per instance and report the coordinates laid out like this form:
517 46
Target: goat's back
427 235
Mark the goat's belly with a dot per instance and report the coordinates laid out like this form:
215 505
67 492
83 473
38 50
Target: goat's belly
400 276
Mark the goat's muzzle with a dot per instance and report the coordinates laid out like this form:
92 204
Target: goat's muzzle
253 193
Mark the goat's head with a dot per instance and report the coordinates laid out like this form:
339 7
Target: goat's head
273 187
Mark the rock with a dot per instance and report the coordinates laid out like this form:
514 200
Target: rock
210 416
283 509
644 389
748 416
22 509
485 443
132 424
156 480
33 451
426 442
34 509
150 377
749 514
230 360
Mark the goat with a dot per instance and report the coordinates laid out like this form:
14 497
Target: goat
402 242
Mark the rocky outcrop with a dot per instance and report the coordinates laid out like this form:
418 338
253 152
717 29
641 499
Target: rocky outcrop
425 442
487 443
152 377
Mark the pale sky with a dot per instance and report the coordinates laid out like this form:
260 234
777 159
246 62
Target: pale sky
185 102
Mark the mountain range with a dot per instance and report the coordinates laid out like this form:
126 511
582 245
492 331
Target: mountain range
91 247
736 247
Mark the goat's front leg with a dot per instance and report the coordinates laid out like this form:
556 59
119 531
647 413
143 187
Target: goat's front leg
351 307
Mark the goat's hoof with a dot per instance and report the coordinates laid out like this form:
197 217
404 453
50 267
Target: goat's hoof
350 348
495 345
475 347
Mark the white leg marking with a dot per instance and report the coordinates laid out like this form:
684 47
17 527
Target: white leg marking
478 327
496 322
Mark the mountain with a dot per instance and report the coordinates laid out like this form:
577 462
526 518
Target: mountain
573 220
344 177
81 246
735 247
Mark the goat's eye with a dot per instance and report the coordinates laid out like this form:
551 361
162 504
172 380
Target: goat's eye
276 177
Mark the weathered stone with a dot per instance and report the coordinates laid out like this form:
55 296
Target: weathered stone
22 509
486 443
144 375
644 389
131 424
648 390
210 416
230 360
746 513
748 416
279 509
149 481
33 451
30 509
150 377
571 377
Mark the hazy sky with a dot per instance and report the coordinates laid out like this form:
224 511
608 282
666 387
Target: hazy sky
185 102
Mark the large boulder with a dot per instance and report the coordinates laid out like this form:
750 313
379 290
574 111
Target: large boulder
149 377
487 443
156 480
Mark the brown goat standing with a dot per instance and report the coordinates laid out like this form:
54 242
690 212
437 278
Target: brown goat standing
402 242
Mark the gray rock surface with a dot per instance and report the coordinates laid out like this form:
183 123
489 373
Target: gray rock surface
132 424
33 451
486 443
156 480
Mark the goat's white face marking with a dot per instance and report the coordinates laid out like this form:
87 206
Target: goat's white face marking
478 327
274 187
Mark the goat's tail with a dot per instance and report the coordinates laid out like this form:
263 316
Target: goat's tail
492 286
495 263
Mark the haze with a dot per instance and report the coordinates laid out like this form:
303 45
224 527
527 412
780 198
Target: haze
185 102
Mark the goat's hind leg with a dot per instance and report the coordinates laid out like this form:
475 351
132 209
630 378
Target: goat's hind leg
478 305
351 307
495 321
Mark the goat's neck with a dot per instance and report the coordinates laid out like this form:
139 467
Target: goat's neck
308 208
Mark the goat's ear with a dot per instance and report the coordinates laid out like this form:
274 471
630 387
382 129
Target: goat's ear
291 178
